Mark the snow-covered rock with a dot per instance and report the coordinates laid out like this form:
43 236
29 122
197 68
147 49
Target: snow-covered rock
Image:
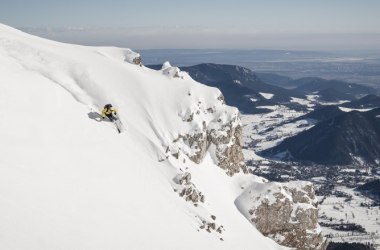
132 57
220 131
288 213
170 71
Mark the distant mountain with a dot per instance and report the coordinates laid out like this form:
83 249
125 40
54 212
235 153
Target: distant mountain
317 85
277 80
344 139
333 95
329 90
323 113
371 189
154 66
214 73
369 101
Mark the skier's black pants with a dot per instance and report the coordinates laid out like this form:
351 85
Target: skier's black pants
111 117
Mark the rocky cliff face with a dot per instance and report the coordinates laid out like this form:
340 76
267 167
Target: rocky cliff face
212 127
287 213
220 135
225 140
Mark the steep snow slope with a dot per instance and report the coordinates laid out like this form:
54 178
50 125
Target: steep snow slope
68 181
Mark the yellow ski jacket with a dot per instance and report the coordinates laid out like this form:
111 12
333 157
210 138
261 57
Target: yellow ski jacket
108 111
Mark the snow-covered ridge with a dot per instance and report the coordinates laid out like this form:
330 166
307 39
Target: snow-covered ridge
91 84
69 181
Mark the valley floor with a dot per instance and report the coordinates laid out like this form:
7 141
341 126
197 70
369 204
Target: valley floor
348 216
345 215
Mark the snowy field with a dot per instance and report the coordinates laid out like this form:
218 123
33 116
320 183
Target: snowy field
266 95
349 109
341 211
262 131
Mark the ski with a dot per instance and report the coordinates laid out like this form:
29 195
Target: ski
119 126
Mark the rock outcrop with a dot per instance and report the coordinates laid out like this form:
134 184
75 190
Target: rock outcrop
228 148
186 189
287 213
219 133
132 57
171 71
211 127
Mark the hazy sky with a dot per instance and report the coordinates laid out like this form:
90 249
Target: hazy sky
143 24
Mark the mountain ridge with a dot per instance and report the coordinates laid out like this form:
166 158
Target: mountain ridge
343 139
69 180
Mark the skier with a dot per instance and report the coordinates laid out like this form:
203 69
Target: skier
110 112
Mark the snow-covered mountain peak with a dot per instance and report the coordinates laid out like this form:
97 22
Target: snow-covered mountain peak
69 180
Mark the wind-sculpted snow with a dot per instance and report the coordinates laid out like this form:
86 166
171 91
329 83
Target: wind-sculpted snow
68 180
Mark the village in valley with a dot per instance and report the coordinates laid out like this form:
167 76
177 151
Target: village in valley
346 215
